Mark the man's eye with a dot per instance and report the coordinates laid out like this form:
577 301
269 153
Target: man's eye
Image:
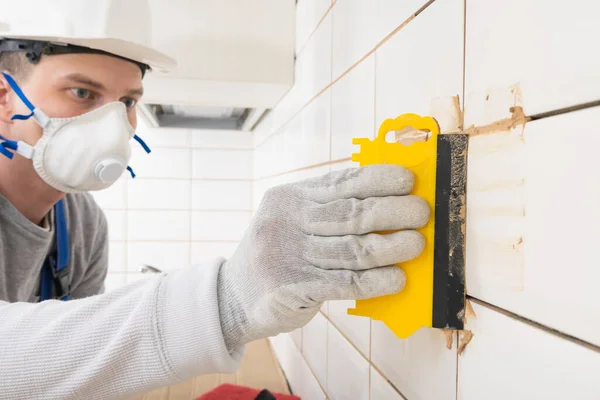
81 93
128 102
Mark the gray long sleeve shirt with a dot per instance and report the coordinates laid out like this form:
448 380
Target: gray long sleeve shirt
152 333
24 246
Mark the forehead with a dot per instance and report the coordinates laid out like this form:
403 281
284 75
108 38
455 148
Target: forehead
113 73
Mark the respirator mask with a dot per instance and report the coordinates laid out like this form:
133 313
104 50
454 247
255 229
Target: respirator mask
84 153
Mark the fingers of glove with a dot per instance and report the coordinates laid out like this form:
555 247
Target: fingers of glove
356 217
363 252
371 181
355 285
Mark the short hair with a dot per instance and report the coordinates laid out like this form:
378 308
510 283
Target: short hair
16 64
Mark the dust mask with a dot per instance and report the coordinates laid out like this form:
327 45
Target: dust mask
79 154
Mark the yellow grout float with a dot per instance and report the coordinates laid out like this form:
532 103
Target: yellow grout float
434 295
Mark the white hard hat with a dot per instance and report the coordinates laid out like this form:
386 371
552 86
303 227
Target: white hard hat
119 27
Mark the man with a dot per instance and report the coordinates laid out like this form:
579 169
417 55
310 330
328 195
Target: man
67 117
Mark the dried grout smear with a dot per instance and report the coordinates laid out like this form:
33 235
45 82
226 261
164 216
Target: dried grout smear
463 340
449 333
465 336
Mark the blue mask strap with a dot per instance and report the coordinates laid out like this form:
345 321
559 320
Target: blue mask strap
146 149
142 143
13 84
6 146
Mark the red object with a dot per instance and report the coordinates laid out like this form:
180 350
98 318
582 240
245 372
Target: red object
228 391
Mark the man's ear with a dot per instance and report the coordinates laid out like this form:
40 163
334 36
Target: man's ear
6 105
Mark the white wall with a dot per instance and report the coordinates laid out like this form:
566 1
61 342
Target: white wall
531 237
191 201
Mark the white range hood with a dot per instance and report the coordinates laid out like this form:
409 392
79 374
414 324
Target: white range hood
231 53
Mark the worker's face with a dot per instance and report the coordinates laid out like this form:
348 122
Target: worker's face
69 85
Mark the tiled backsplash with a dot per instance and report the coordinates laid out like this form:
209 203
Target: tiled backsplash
190 201
360 62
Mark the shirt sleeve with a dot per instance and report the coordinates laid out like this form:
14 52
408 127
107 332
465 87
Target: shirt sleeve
149 334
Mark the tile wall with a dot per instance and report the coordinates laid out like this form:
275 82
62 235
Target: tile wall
190 201
532 203
535 313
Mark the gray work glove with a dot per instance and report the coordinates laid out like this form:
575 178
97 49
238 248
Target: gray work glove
309 242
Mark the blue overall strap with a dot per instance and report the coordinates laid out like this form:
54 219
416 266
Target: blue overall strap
46 282
55 271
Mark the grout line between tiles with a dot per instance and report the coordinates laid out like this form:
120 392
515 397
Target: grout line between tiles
331 92
362 355
304 45
348 70
456 354
308 365
564 110
552 331
464 77
323 164
462 126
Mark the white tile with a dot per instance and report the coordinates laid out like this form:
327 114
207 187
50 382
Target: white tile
316 132
347 370
548 77
207 251
308 15
159 194
113 198
164 256
305 174
409 74
159 225
532 211
214 195
137 277
314 63
216 226
414 363
301 380
271 157
325 308
259 162
117 224
295 145
360 25
222 164
508 359
222 139
266 126
162 163
353 109
356 329
114 280
314 346
259 188
381 389
296 336
117 257
285 110
166 137
344 165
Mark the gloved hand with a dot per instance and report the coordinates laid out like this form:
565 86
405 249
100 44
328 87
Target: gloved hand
310 242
